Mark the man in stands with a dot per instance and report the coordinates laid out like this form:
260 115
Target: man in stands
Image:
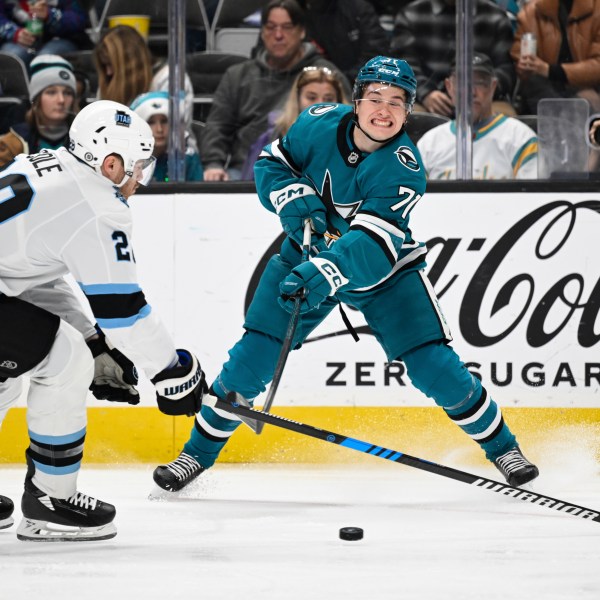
253 88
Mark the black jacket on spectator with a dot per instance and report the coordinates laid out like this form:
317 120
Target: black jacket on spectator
347 32
243 99
425 36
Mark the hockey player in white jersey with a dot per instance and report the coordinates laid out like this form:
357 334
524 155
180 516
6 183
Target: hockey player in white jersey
66 211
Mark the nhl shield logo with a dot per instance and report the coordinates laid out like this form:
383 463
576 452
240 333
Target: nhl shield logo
407 157
352 157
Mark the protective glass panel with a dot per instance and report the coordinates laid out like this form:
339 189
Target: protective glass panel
562 132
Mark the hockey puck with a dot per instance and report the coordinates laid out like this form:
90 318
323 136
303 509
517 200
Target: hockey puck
351 533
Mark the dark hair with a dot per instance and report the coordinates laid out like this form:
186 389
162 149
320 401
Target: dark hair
291 6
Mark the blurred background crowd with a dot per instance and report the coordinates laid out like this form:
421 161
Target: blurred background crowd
252 66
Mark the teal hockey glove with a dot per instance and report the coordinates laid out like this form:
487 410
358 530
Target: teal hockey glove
294 211
314 281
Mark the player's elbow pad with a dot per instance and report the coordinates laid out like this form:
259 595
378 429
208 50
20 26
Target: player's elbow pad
179 389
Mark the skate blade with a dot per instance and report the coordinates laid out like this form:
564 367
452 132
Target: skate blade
6 523
30 530
529 486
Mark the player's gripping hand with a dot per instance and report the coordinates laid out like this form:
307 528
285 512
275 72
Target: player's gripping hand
294 212
115 376
313 281
179 389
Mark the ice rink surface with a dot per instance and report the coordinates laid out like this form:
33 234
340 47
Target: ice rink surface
271 532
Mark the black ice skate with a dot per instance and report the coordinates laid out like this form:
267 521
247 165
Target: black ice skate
517 470
6 511
178 473
79 518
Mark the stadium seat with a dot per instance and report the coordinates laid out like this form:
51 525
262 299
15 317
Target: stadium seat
421 122
530 120
14 80
238 40
206 69
230 14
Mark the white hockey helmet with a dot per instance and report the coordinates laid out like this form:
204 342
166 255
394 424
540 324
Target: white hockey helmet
105 127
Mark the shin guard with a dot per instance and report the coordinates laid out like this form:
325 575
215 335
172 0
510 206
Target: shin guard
437 371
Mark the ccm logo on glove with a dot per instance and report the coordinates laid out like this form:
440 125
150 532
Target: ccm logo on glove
330 271
290 193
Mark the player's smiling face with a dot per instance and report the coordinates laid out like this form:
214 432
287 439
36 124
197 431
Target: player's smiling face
382 111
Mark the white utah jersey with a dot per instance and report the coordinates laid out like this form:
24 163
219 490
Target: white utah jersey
58 216
503 148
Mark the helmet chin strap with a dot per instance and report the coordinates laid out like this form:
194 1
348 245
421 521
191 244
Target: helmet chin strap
125 179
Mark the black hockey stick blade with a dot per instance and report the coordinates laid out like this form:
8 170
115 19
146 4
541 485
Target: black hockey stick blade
230 405
289 334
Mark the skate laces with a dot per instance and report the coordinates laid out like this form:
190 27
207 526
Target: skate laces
184 466
513 460
83 501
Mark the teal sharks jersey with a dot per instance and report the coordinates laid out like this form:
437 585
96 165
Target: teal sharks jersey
368 196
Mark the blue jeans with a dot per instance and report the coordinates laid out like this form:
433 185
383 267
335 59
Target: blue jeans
53 46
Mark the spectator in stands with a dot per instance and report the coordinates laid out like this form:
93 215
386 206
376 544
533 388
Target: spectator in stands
314 85
42 27
503 147
425 36
125 70
124 65
567 63
347 32
249 90
153 107
52 91
160 82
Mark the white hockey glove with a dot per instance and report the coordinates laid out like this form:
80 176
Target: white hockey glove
179 389
115 376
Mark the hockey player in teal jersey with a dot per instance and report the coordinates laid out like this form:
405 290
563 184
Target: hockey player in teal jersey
354 172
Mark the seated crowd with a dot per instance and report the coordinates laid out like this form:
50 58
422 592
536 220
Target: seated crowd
308 52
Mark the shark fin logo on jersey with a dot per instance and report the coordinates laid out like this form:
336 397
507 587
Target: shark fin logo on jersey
321 109
407 157
122 118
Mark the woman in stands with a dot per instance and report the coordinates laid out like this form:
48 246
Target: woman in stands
314 85
124 65
52 88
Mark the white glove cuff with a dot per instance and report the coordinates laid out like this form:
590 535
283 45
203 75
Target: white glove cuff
279 198
329 270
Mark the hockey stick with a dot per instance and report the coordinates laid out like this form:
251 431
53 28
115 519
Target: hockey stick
289 335
230 405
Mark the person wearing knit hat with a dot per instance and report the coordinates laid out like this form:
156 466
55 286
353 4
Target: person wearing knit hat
47 70
52 89
153 107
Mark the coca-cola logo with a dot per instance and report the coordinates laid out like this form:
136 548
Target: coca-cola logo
516 275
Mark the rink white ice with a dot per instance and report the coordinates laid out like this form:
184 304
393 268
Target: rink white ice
272 532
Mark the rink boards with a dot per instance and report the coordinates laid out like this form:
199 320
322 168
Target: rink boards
518 278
